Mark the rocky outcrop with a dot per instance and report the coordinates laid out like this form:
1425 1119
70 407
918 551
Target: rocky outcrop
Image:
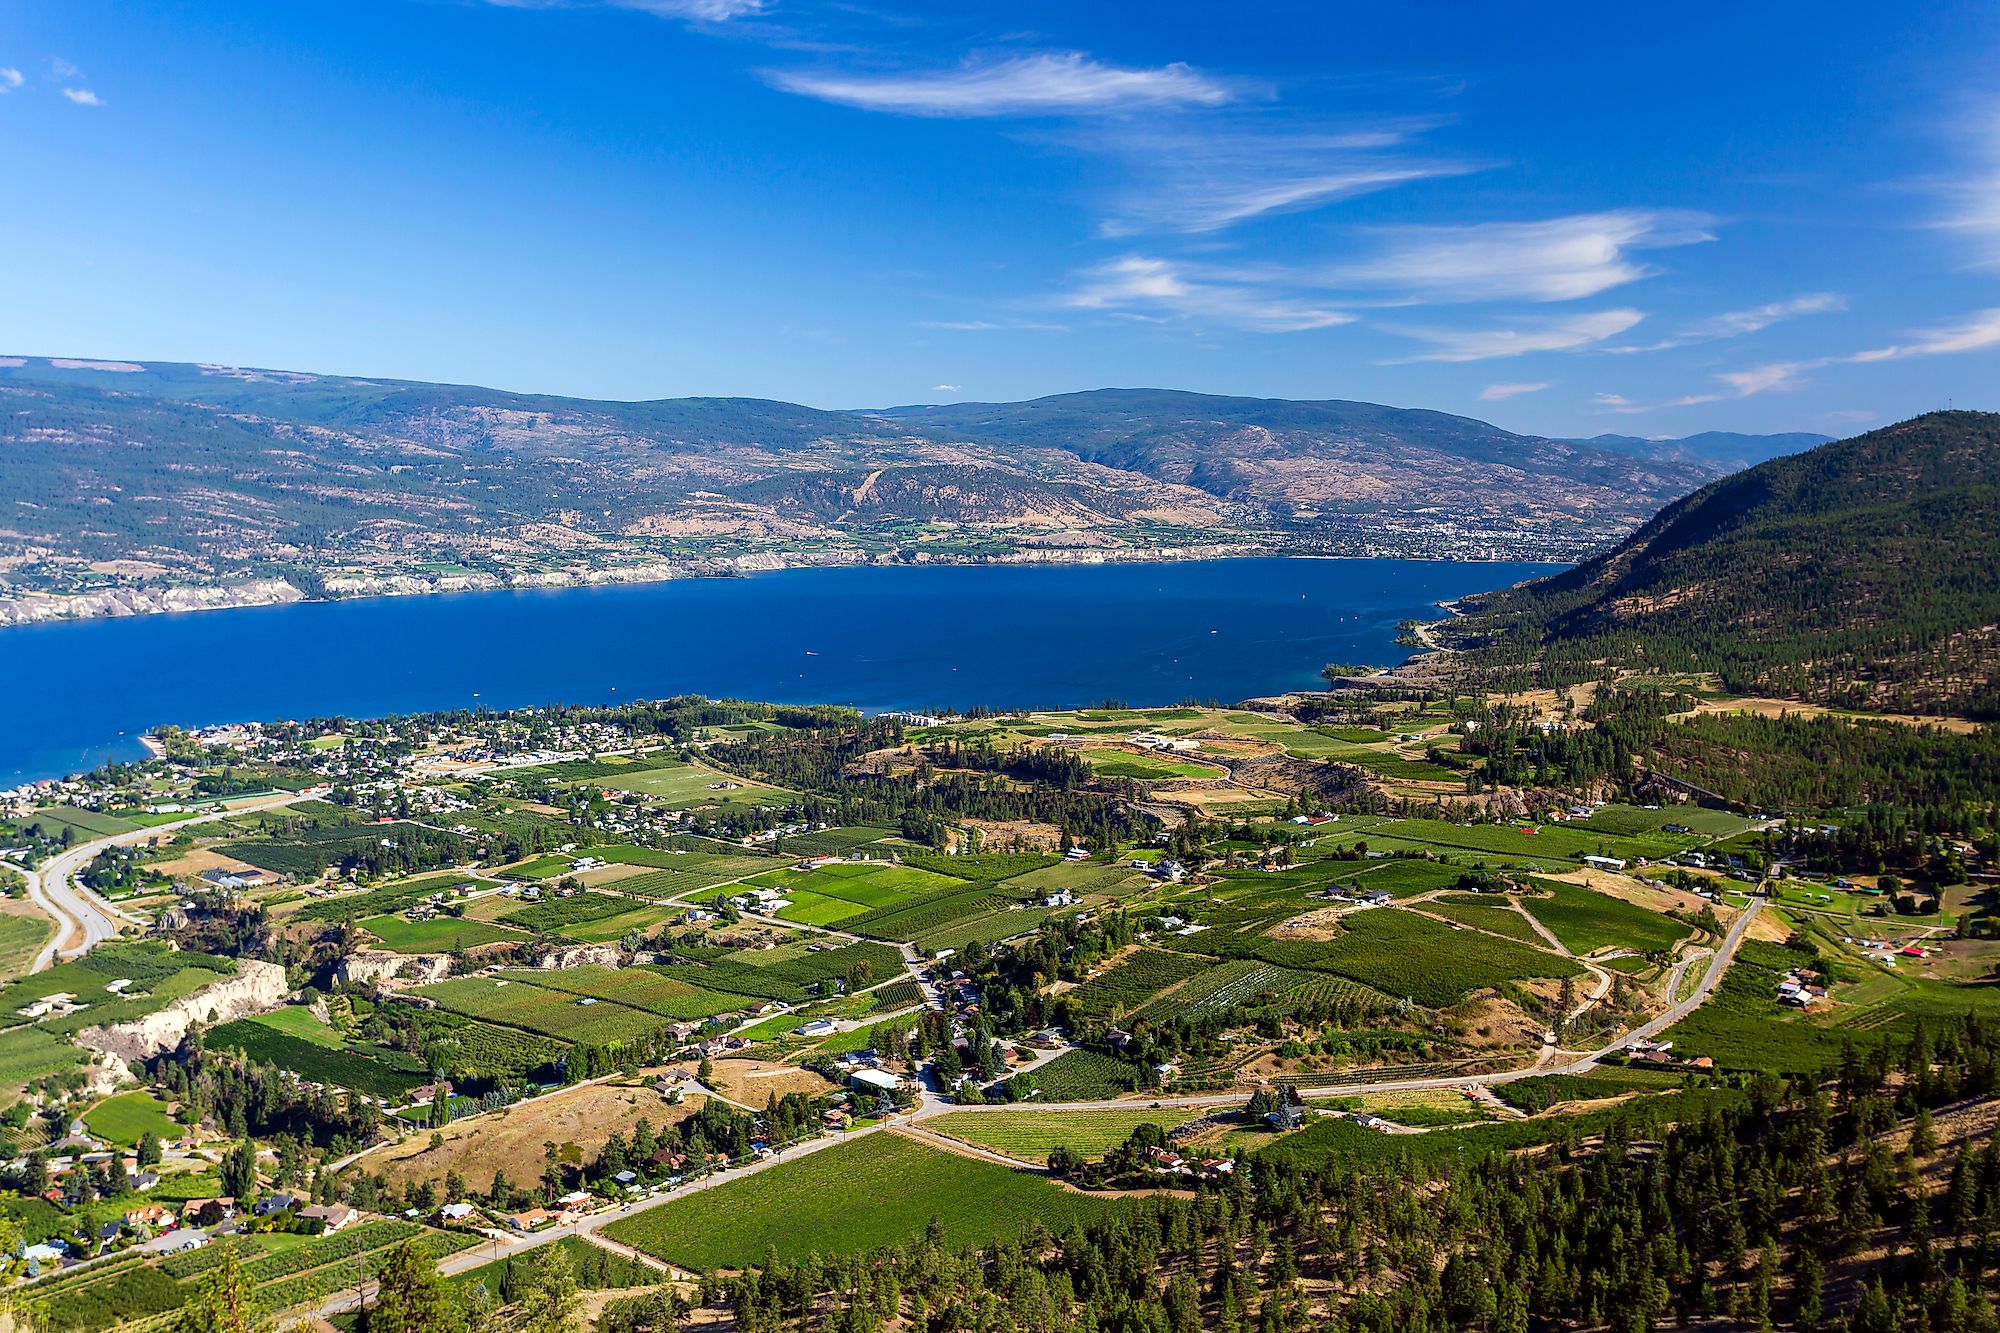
146 601
582 955
256 988
365 969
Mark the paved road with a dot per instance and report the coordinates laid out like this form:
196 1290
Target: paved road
932 1105
497 1248
1718 963
83 919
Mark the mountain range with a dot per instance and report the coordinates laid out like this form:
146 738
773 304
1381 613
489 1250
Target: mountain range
1864 573
133 484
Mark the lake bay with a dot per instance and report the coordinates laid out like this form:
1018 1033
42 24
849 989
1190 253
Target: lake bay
75 694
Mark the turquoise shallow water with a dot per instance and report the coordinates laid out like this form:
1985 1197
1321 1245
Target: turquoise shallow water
76 694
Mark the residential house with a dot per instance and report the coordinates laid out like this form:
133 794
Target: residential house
334 1216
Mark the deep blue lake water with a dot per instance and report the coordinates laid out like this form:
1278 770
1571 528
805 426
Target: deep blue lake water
73 695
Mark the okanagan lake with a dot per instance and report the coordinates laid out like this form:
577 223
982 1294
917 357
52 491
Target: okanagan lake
75 694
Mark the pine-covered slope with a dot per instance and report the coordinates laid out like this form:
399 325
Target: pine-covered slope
1864 573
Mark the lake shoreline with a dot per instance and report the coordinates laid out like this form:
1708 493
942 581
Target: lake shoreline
878 638
248 594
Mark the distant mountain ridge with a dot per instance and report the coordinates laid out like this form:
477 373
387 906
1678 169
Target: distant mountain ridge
131 478
1725 450
1864 573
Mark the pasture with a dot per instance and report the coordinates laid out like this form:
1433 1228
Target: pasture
872 1191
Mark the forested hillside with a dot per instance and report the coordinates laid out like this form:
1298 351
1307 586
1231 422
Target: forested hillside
1865 573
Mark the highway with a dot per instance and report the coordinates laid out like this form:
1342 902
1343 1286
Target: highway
83 919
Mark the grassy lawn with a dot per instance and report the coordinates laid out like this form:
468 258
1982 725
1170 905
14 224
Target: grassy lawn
1031 1136
128 1117
848 1199
438 935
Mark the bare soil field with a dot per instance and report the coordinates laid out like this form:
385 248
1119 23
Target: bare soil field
753 1082
512 1139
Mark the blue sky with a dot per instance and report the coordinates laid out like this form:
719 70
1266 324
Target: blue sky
1563 218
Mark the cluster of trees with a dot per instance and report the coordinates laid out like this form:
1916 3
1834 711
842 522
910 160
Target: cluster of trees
245 1097
1863 574
932 797
1816 1204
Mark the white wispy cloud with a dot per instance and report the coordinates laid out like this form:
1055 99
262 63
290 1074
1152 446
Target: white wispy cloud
1146 287
1737 323
10 79
992 325
1048 83
1562 333
1977 332
1972 197
945 388
693 11
1191 174
83 97
1554 259
1500 393
62 69
706 11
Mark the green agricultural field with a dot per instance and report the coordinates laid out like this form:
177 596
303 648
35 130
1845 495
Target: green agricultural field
292 1039
835 841
539 867
1223 986
387 898
1082 1076
550 1013
1003 922
697 871
1484 912
22 936
1627 819
1406 878
440 934
856 1196
1030 1136
1144 767
1131 983
688 786
129 1117
1078 877
156 976
814 909
29 1053
1586 920
1398 953
642 917
647 988
557 915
